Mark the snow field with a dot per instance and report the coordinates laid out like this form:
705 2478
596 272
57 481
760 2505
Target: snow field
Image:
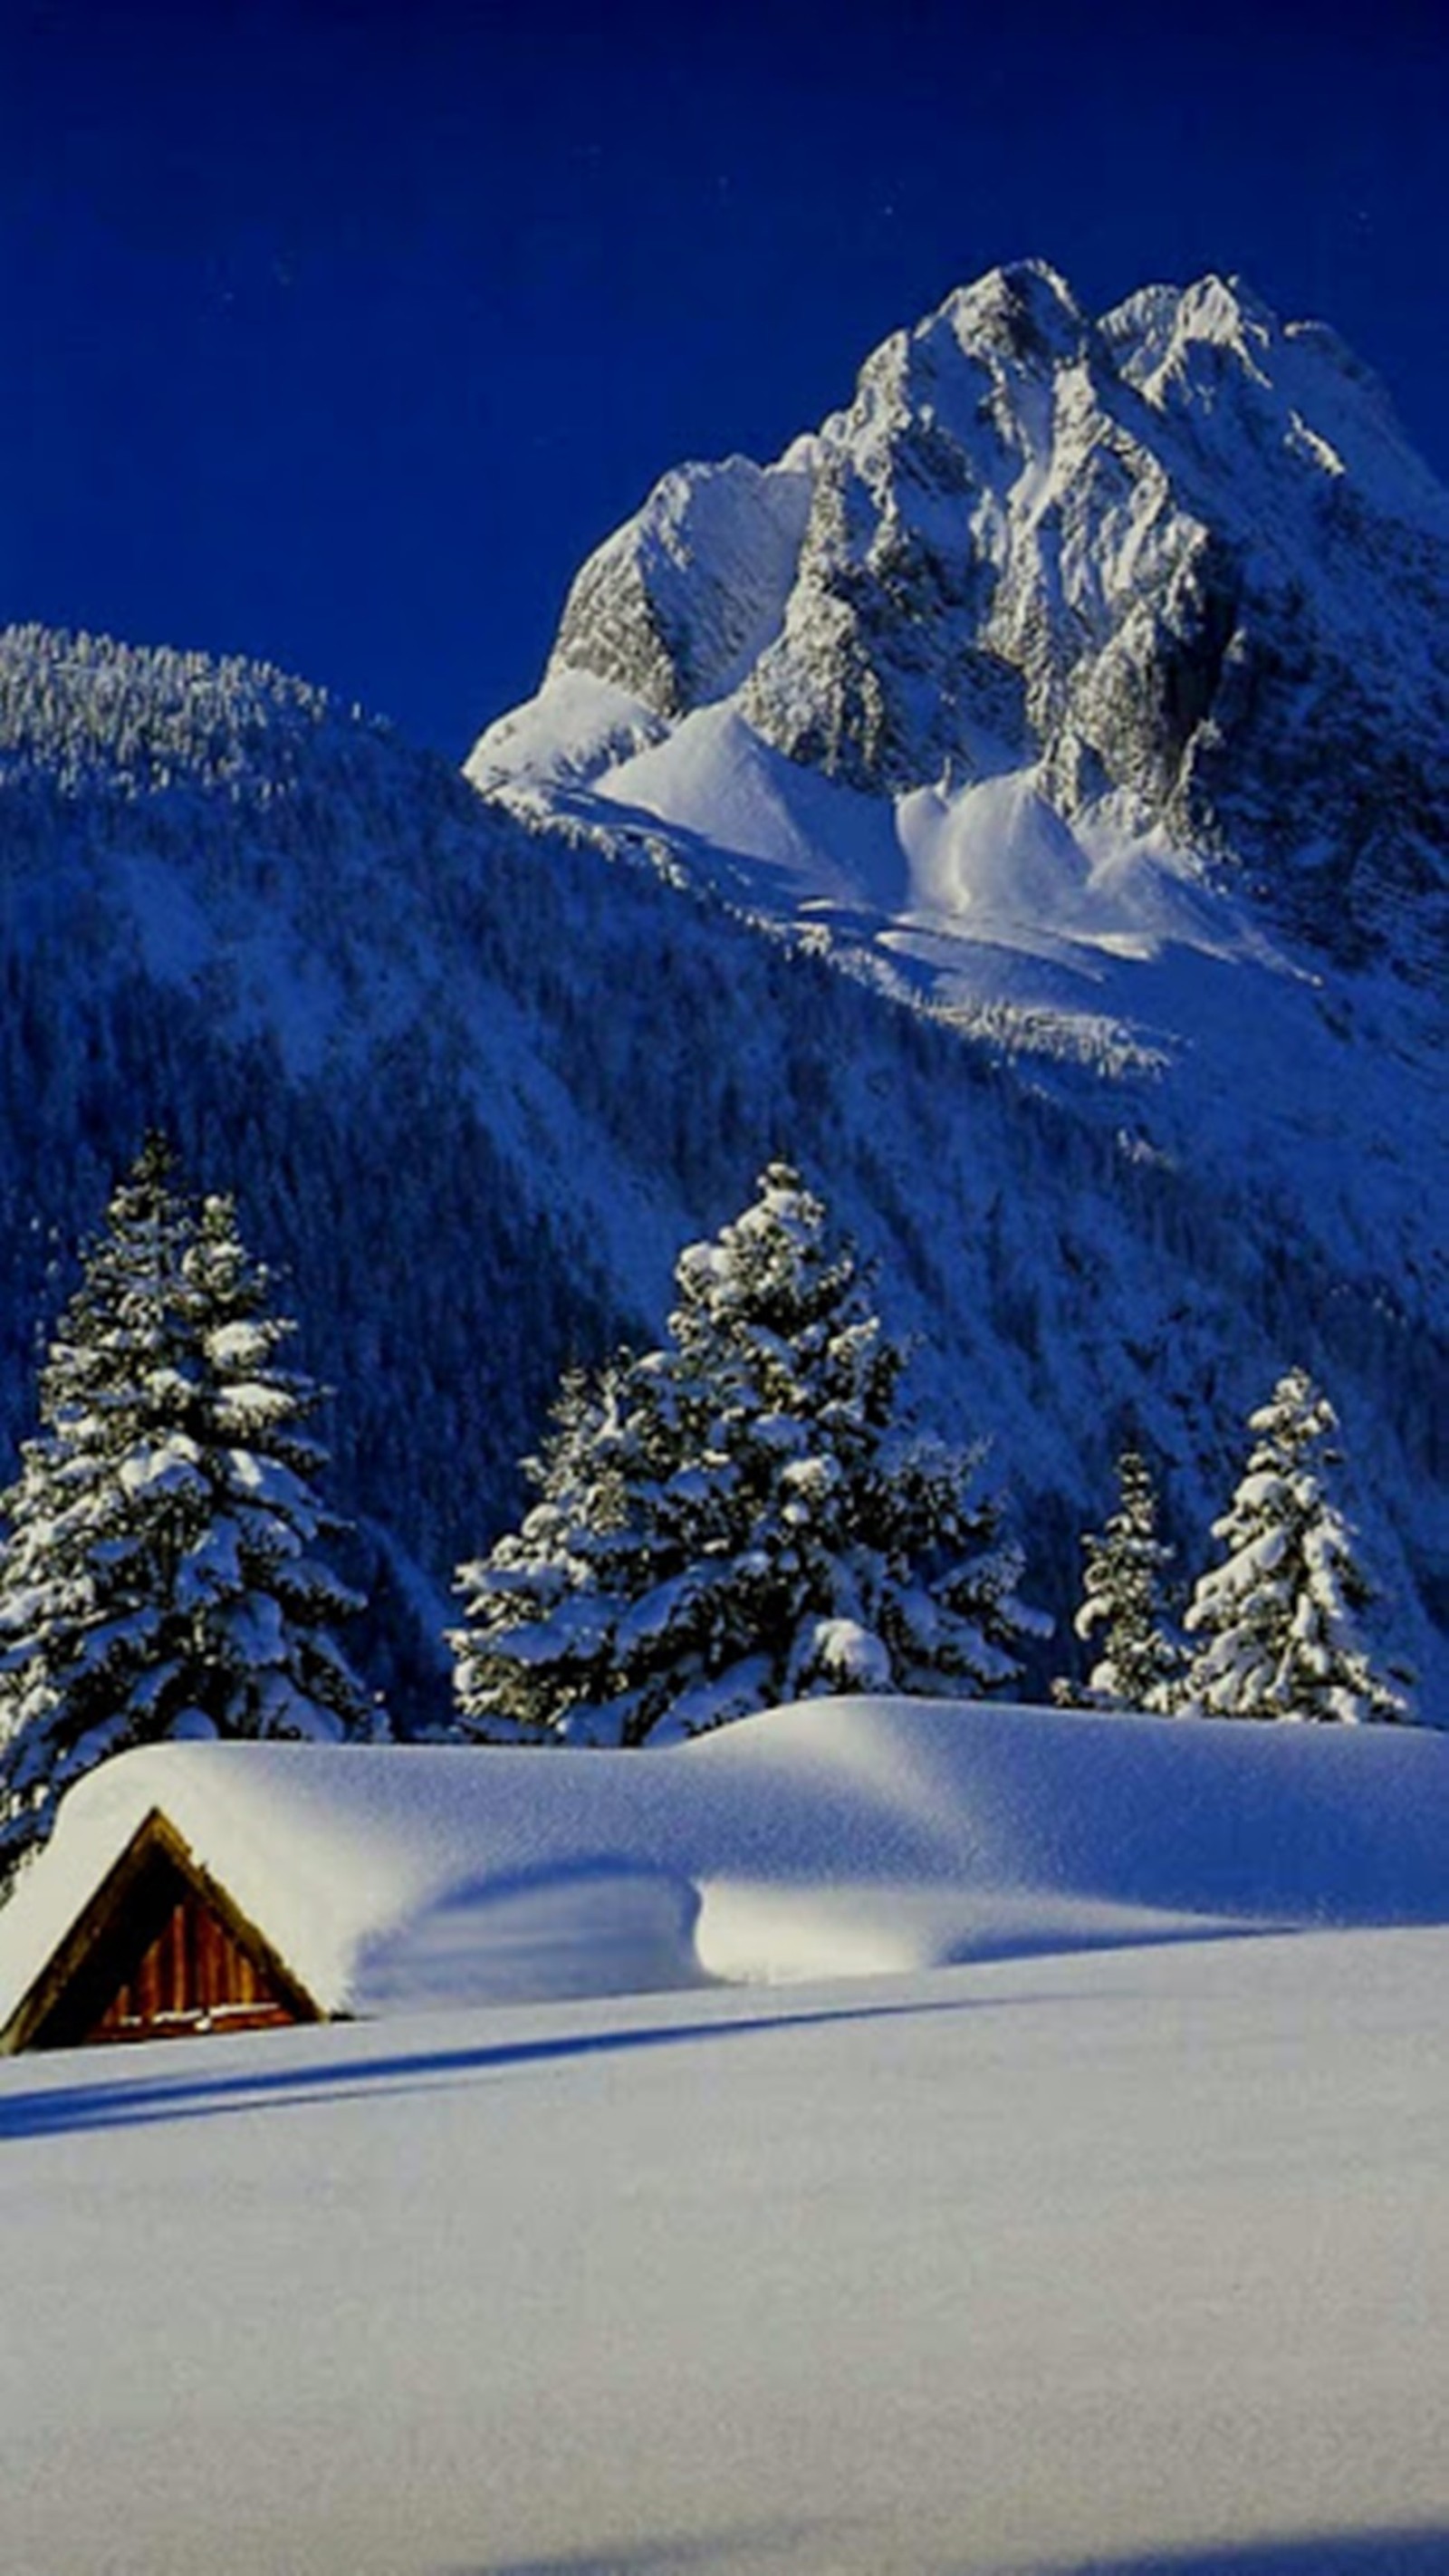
1020 2265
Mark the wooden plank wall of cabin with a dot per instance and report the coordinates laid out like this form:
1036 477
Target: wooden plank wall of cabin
193 1976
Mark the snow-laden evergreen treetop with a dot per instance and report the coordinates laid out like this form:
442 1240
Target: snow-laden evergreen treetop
1278 1617
158 1577
1138 1663
741 1517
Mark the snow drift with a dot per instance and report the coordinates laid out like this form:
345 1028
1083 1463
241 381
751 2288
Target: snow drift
847 1837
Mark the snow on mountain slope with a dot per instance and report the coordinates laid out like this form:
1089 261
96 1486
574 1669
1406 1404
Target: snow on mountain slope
992 860
839 1838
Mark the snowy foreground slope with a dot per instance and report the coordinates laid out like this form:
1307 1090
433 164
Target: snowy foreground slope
1131 2257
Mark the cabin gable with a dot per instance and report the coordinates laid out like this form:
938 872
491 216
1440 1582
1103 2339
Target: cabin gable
160 1951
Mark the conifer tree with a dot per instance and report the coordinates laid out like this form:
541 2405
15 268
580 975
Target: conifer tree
741 1517
1277 1618
158 1579
1138 1664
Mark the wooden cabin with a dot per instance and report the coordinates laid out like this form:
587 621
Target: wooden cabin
160 1951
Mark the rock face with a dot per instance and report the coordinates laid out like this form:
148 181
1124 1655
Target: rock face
1178 561
679 604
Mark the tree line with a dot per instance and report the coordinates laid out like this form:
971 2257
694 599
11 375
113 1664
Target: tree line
748 1514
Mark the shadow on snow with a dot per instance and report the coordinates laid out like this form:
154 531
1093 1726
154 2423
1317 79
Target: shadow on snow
56 2109
1357 2553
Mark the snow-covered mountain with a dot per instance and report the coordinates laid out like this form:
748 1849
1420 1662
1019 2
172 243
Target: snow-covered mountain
1131 1113
1175 572
1087 682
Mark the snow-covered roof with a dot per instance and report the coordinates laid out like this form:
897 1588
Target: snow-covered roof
840 1837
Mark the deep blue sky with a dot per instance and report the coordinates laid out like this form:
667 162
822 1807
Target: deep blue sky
339 333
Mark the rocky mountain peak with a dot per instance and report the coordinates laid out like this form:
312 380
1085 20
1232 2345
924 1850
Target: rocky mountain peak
1025 312
1158 326
676 606
1179 563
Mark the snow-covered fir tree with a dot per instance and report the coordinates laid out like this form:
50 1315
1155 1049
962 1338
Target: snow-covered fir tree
1277 1618
740 1517
158 1576
1138 1663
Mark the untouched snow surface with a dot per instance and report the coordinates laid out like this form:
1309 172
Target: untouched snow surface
841 1837
1136 2259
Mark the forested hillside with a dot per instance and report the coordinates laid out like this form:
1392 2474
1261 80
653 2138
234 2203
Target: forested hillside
474 1084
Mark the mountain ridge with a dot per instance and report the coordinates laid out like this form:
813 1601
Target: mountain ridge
1170 561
